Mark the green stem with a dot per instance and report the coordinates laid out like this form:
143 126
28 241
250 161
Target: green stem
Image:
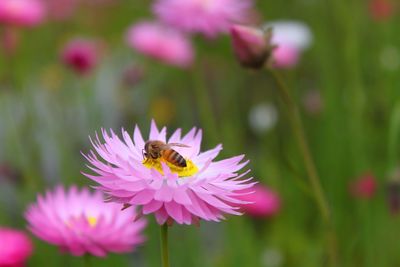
204 106
164 245
312 174
87 260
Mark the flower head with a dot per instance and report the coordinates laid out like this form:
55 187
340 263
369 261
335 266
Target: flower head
204 189
81 55
15 246
22 12
80 222
381 10
251 45
209 17
364 187
161 42
290 39
263 202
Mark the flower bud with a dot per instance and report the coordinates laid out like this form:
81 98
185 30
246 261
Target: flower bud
252 46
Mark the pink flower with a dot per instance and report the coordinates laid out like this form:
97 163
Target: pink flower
79 222
204 189
22 12
161 42
80 54
251 45
381 9
291 39
61 9
364 187
263 202
15 246
209 17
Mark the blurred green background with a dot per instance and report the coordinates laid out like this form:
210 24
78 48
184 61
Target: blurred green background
47 113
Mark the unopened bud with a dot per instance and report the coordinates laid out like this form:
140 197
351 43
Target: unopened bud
252 45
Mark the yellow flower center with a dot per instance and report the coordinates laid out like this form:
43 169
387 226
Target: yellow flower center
189 170
92 221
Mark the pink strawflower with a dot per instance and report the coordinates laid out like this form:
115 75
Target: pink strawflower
291 38
364 187
22 12
263 201
15 247
381 10
80 222
81 55
209 17
161 42
204 189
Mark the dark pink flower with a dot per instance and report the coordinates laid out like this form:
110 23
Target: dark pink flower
161 42
22 12
364 187
15 247
81 55
263 202
286 56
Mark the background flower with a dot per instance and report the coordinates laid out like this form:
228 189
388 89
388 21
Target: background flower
79 222
22 12
209 17
15 246
161 42
205 189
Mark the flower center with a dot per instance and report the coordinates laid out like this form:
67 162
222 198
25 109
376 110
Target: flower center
92 221
189 170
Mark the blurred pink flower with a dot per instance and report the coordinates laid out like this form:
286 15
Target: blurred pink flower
381 9
209 17
263 202
286 56
15 246
22 12
204 189
364 187
80 222
161 42
81 55
251 45
61 9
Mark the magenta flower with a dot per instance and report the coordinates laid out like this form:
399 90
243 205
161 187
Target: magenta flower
263 202
162 43
80 222
204 189
22 12
15 246
209 17
364 187
81 55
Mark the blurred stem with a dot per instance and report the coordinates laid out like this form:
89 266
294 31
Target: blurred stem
164 245
394 130
314 180
87 259
204 105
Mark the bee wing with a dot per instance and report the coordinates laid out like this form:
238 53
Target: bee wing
177 144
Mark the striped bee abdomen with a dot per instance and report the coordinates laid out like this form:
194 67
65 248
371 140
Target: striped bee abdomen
174 157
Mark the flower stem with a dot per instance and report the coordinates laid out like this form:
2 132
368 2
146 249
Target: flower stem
164 245
312 174
87 259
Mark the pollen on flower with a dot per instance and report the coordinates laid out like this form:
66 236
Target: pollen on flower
189 170
92 221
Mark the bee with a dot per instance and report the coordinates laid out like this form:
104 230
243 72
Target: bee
155 149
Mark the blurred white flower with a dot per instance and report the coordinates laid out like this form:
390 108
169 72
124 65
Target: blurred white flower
390 58
263 117
291 38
